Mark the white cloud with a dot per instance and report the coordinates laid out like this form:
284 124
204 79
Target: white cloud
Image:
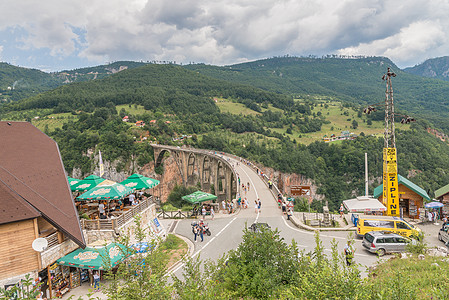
226 31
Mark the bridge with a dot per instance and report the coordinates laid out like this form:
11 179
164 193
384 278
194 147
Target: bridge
201 166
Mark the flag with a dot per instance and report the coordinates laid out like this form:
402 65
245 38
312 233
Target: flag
101 165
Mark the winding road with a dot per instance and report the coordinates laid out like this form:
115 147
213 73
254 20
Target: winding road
227 230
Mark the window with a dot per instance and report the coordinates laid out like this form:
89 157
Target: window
402 225
400 240
369 238
389 240
380 241
377 223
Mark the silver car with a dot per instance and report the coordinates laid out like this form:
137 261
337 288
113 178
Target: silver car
384 242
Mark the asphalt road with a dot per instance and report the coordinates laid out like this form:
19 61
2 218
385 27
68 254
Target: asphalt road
227 230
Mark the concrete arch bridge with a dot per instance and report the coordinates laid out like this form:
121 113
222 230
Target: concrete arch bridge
203 166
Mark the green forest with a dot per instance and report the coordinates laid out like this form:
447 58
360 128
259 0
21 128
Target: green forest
183 101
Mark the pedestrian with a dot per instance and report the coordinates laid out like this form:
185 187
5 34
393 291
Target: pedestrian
284 207
256 206
212 212
349 253
223 205
96 282
195 231
101 209
289 213
245 201
200 230
248 186
342 210
203 212
259 205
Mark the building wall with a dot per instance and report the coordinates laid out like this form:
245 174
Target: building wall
16 255
406 193
52 254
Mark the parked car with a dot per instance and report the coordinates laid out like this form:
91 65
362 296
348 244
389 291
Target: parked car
443 235
386 223
256 227
384 242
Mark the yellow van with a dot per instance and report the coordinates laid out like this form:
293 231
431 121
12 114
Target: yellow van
384 223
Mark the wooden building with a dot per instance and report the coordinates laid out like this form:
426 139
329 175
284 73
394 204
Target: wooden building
411 198
442 194
35 202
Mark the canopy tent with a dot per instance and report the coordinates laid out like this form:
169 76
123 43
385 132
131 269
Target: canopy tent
139 182
199 197
434 204
101 258
87 183
72 182
364 204
106 190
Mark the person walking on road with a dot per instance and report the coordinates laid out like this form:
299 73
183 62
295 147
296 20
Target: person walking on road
200 230
256 206
248 186
195 231
203 212
212 212
259 205
349 253
342 210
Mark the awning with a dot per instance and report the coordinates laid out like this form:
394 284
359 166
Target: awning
86 184
106 190
101 258
199 197
363 204
139 182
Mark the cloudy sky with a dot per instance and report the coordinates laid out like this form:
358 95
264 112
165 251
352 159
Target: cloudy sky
55 35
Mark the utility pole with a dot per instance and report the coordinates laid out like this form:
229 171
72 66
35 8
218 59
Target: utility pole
390 167
389 136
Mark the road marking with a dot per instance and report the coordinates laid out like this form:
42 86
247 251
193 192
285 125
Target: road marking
311 233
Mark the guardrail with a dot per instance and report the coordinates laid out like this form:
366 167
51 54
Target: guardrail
117 222
52 240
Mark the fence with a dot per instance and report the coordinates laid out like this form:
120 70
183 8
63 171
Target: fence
119 221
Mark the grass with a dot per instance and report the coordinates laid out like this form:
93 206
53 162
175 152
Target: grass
53 121
132 110
175 249
227 106
413 278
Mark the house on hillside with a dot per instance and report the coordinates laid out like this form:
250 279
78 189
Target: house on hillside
152 122
411 198
36 206
140 123
125 119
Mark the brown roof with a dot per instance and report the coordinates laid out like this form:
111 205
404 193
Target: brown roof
33 181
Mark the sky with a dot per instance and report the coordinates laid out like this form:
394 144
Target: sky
55 35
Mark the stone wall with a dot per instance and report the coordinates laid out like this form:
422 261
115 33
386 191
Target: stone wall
285 180
50 255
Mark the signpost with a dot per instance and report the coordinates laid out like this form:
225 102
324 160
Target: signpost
299 190
391 176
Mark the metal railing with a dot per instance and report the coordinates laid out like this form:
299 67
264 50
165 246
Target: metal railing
52 240
118 221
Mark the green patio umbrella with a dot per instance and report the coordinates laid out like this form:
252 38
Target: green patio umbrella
72 182
87 183
199 197
106 190
139 182
98 258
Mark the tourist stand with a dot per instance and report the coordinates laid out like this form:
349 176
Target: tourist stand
200 197
363 204
107 190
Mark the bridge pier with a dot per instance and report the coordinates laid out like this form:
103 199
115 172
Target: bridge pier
202 166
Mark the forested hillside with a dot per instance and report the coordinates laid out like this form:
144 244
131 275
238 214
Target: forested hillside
88 115
432 68
351 80
18 83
